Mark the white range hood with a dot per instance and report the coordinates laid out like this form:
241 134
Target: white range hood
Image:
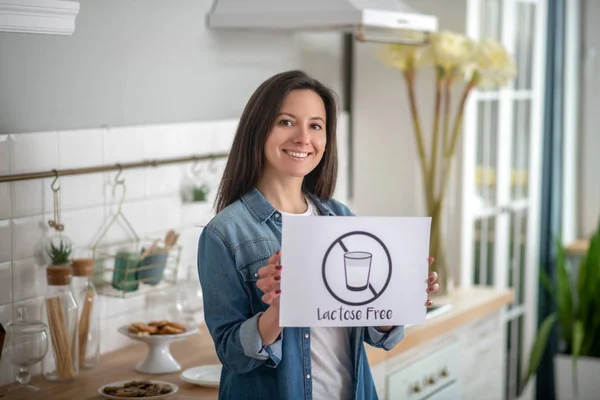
368 20
53 17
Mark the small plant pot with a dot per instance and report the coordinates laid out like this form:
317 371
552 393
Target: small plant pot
126 270
152 267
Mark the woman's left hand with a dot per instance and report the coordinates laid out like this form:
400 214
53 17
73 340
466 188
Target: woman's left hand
432 286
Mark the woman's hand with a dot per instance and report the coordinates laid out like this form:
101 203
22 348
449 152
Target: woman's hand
432 286
270 280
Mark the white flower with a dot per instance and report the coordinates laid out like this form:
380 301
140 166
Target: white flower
451 51
405 57
493 66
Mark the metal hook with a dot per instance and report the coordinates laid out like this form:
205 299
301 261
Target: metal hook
118 179
212 167
55 183
196 167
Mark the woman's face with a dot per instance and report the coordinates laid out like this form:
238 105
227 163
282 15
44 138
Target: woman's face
296 142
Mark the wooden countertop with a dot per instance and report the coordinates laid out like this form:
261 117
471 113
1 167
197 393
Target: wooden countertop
578 248
467 305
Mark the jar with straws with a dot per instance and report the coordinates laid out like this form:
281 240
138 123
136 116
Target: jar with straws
89 315
60 312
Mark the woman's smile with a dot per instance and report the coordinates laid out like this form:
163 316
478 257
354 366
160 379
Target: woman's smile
297 155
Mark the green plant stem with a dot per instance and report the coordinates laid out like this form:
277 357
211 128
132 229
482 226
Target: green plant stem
436 130
449 154
447 98
409 76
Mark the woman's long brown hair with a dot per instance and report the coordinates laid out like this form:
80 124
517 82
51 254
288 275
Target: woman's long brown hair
246 158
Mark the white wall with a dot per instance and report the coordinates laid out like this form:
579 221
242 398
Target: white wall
589 148
138 80
145 62
387 178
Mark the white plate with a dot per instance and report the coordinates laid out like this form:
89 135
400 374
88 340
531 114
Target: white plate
174 389
203 375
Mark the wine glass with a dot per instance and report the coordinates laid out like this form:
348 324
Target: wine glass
189 301
27 345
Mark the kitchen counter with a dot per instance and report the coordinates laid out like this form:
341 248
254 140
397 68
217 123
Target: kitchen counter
578 248
467 305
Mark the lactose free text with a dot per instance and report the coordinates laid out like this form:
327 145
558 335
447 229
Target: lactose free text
343 314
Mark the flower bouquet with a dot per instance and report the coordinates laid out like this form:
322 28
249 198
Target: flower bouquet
456 59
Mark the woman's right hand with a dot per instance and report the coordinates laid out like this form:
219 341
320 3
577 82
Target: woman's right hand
269 280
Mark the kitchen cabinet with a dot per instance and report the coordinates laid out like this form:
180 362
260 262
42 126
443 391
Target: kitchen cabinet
463 364
52 17
459 355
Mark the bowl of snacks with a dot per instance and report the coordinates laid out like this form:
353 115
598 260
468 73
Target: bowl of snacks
158 335
146 389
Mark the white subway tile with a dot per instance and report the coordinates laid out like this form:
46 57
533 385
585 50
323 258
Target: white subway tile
81 191
29 279
185 133
196 214
5 241
32 308
163 180
84 225
123 144
135 185
163 214
81 148
6 293
32 152
116 307
224 132
27 234
30 198
4 155
5 200
163 141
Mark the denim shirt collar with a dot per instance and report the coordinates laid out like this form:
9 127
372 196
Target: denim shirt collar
262 210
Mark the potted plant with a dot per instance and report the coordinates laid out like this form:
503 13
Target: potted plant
59 252
577 298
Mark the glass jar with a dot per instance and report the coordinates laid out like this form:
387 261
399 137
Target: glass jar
60 313
88 330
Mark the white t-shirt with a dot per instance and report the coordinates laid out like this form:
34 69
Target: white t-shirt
330 355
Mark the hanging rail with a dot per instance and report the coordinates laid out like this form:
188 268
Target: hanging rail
113 167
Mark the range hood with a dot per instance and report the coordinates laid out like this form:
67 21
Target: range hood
50 17
391 21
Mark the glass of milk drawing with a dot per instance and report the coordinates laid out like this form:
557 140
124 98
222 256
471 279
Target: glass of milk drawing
358 270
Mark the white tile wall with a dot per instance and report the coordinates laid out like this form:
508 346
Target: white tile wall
152 205
6 294
31 152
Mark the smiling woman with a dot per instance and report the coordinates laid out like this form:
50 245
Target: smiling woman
283 161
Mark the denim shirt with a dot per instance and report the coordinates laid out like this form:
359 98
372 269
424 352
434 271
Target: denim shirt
232 247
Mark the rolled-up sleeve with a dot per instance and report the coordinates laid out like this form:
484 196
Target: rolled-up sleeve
227 309
384 340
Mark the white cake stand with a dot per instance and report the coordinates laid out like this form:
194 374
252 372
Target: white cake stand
159 359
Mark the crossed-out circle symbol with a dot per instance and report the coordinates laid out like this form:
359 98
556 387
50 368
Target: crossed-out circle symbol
375 293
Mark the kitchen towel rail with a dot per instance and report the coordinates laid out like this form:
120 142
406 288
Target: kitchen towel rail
112 167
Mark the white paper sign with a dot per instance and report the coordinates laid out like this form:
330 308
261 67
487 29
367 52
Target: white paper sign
353 271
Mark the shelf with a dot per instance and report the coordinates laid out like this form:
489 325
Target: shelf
51 17
578 247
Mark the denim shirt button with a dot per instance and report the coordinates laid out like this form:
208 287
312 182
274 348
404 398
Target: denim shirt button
256 274
277 215
307 376
306 335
